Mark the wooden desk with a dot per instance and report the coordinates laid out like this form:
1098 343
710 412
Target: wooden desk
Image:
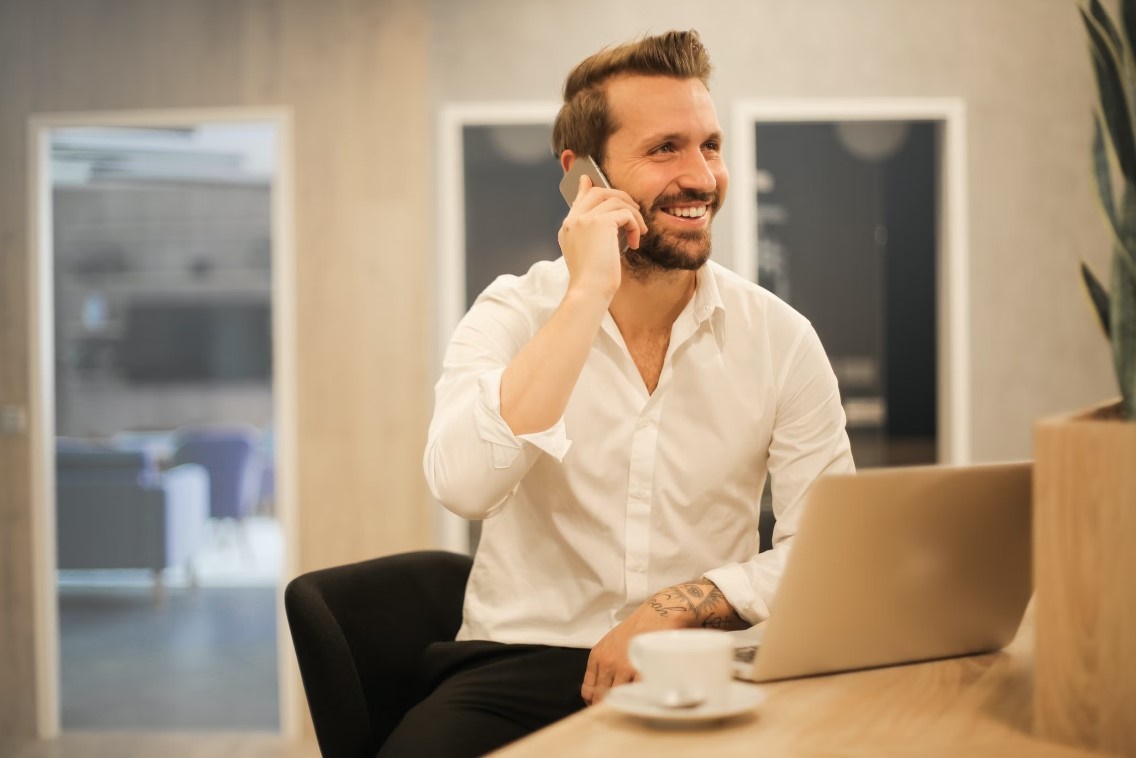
980 705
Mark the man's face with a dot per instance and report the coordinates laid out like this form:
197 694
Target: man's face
666 153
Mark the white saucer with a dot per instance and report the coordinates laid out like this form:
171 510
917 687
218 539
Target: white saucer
632 700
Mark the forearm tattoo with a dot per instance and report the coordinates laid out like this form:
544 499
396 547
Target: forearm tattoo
702 599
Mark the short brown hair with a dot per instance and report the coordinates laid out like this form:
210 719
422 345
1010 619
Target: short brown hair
585 122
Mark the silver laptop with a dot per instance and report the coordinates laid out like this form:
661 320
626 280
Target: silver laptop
898 565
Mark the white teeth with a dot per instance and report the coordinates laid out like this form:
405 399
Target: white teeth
698 212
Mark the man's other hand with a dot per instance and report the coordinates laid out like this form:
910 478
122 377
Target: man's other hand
697 604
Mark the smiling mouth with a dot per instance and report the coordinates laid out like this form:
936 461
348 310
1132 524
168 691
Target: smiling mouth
697 211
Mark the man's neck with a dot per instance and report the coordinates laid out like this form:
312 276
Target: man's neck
650 305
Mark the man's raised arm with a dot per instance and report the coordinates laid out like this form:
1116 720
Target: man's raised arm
502 395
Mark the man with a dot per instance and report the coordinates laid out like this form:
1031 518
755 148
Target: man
613 418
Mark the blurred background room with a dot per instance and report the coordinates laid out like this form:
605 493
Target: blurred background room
235 237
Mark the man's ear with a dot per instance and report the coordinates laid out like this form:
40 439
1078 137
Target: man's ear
567 158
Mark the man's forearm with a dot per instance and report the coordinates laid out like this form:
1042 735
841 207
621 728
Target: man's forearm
537 383
696 604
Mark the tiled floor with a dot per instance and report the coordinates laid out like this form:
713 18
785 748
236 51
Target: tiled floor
198 659
203 659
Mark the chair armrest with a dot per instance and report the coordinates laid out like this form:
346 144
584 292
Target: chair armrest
359 631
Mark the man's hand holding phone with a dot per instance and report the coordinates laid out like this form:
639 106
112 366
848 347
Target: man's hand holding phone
539 380
601 223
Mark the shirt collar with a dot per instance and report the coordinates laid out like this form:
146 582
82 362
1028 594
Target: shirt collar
707 302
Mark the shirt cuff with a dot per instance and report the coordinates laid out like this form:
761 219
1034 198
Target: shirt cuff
492 428
735 585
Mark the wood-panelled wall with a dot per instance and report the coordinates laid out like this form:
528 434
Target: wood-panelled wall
355 74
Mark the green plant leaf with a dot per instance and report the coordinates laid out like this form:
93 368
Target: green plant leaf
1113 98
1128 19
1125 230
1122 318
1098 296
1101 16
1103 174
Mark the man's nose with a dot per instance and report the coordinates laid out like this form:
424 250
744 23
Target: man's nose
696 173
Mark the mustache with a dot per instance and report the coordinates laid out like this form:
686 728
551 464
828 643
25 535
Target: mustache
713 199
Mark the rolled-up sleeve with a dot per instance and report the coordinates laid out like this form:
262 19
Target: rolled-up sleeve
809 440
473 461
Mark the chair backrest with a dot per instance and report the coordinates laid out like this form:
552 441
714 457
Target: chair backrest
358 653
100 465
228 454
100 459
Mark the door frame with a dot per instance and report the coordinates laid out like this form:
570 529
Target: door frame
41 423
952 253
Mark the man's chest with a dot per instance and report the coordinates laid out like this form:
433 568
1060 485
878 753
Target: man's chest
710 416
648 352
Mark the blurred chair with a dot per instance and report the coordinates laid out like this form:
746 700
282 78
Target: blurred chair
115 510
358 655
228 453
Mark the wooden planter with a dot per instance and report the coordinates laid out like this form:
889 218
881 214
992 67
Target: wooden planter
1085 580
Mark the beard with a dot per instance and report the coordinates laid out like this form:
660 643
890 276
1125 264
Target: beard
670 250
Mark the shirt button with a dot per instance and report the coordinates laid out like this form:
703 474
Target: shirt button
642 423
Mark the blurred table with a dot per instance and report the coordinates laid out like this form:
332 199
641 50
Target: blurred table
979 705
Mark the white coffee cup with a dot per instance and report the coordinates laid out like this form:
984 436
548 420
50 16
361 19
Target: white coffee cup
683 667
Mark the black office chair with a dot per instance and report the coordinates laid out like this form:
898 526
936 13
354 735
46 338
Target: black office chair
359 631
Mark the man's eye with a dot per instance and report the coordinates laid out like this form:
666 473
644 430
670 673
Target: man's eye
665 148
713 146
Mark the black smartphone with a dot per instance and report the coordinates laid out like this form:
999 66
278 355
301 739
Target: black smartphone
584 164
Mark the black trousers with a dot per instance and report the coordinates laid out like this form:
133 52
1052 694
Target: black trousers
475 697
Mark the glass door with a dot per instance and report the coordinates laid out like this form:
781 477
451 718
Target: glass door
169 551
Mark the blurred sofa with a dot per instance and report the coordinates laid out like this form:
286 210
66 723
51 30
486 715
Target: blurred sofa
116 510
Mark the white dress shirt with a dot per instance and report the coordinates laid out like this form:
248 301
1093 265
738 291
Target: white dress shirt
631 492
